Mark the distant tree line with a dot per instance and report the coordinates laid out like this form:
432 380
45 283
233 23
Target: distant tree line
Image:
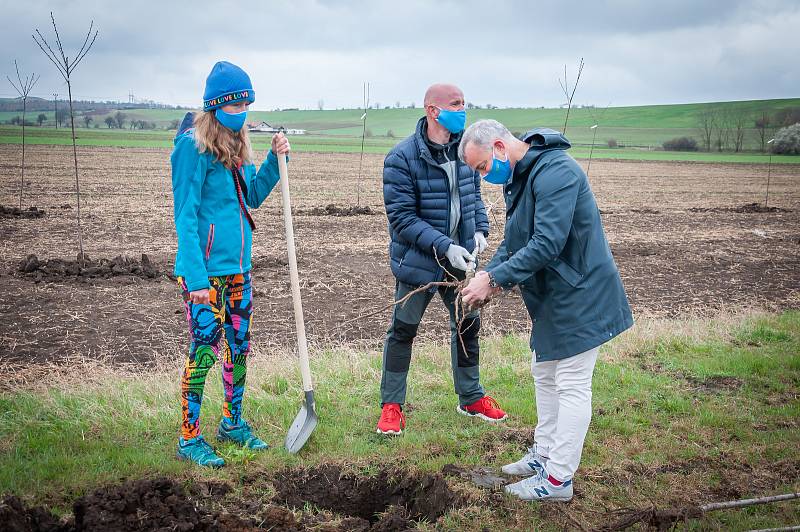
118 120
723 129
42 104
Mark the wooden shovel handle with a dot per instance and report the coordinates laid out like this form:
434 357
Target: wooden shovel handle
294 277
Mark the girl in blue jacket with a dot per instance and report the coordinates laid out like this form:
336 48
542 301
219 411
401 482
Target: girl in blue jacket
214 181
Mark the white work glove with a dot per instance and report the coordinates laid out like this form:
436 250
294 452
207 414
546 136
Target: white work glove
459 257
480 243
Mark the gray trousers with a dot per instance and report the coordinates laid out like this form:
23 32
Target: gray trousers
400 338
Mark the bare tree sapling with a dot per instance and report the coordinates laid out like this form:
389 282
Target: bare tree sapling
363 135
570 94
66 67
23 88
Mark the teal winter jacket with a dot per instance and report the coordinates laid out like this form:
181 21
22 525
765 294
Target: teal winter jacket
214 236
554 248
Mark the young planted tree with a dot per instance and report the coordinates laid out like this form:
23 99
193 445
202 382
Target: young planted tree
769 174
570 94
363 135
66 67
596 118
23 86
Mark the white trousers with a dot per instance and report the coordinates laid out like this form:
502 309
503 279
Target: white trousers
564 409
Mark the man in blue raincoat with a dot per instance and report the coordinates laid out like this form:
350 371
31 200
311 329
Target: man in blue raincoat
555 250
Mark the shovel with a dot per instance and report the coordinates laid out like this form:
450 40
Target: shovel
306 420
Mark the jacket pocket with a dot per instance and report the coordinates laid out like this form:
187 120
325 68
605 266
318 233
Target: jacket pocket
210 242
570 275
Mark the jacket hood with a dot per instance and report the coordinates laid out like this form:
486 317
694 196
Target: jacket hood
543 139
186 124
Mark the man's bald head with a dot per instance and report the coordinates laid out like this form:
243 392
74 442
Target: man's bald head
443 95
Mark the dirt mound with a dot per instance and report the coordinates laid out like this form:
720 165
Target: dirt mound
16 212
334 210
747 208
15 517
389 499
141 505
159 504
59 269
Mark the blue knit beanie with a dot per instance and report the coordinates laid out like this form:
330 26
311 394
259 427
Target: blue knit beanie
227 83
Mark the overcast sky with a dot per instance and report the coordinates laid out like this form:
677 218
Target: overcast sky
507 53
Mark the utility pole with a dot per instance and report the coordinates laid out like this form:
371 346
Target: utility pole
55 109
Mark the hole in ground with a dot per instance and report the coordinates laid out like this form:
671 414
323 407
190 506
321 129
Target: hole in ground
423 496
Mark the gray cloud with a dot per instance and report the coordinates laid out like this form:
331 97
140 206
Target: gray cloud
501 52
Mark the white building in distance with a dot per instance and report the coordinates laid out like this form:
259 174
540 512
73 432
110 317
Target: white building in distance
263 127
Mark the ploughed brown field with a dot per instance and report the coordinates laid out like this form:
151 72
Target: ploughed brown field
687 238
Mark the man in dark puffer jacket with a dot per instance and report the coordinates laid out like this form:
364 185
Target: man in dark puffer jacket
437 222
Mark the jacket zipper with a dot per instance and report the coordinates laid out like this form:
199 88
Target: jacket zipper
210 241
449 189
241 253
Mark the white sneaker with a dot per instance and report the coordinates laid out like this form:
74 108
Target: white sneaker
530 464
538 488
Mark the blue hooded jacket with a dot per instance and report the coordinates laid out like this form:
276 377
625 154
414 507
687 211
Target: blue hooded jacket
416 193
555 249
214 237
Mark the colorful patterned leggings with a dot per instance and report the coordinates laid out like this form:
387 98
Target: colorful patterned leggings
220 330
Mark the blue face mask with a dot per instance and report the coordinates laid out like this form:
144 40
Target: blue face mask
453 121
500 172
233 121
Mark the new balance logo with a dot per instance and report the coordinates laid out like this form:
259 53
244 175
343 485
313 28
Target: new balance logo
541 491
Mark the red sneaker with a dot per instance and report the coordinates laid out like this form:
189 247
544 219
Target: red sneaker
392 420
485 408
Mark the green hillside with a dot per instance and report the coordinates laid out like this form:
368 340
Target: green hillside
639 131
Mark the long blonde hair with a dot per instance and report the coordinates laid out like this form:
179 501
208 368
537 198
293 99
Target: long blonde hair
230 148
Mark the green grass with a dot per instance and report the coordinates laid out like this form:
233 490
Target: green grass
679 417
641 129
